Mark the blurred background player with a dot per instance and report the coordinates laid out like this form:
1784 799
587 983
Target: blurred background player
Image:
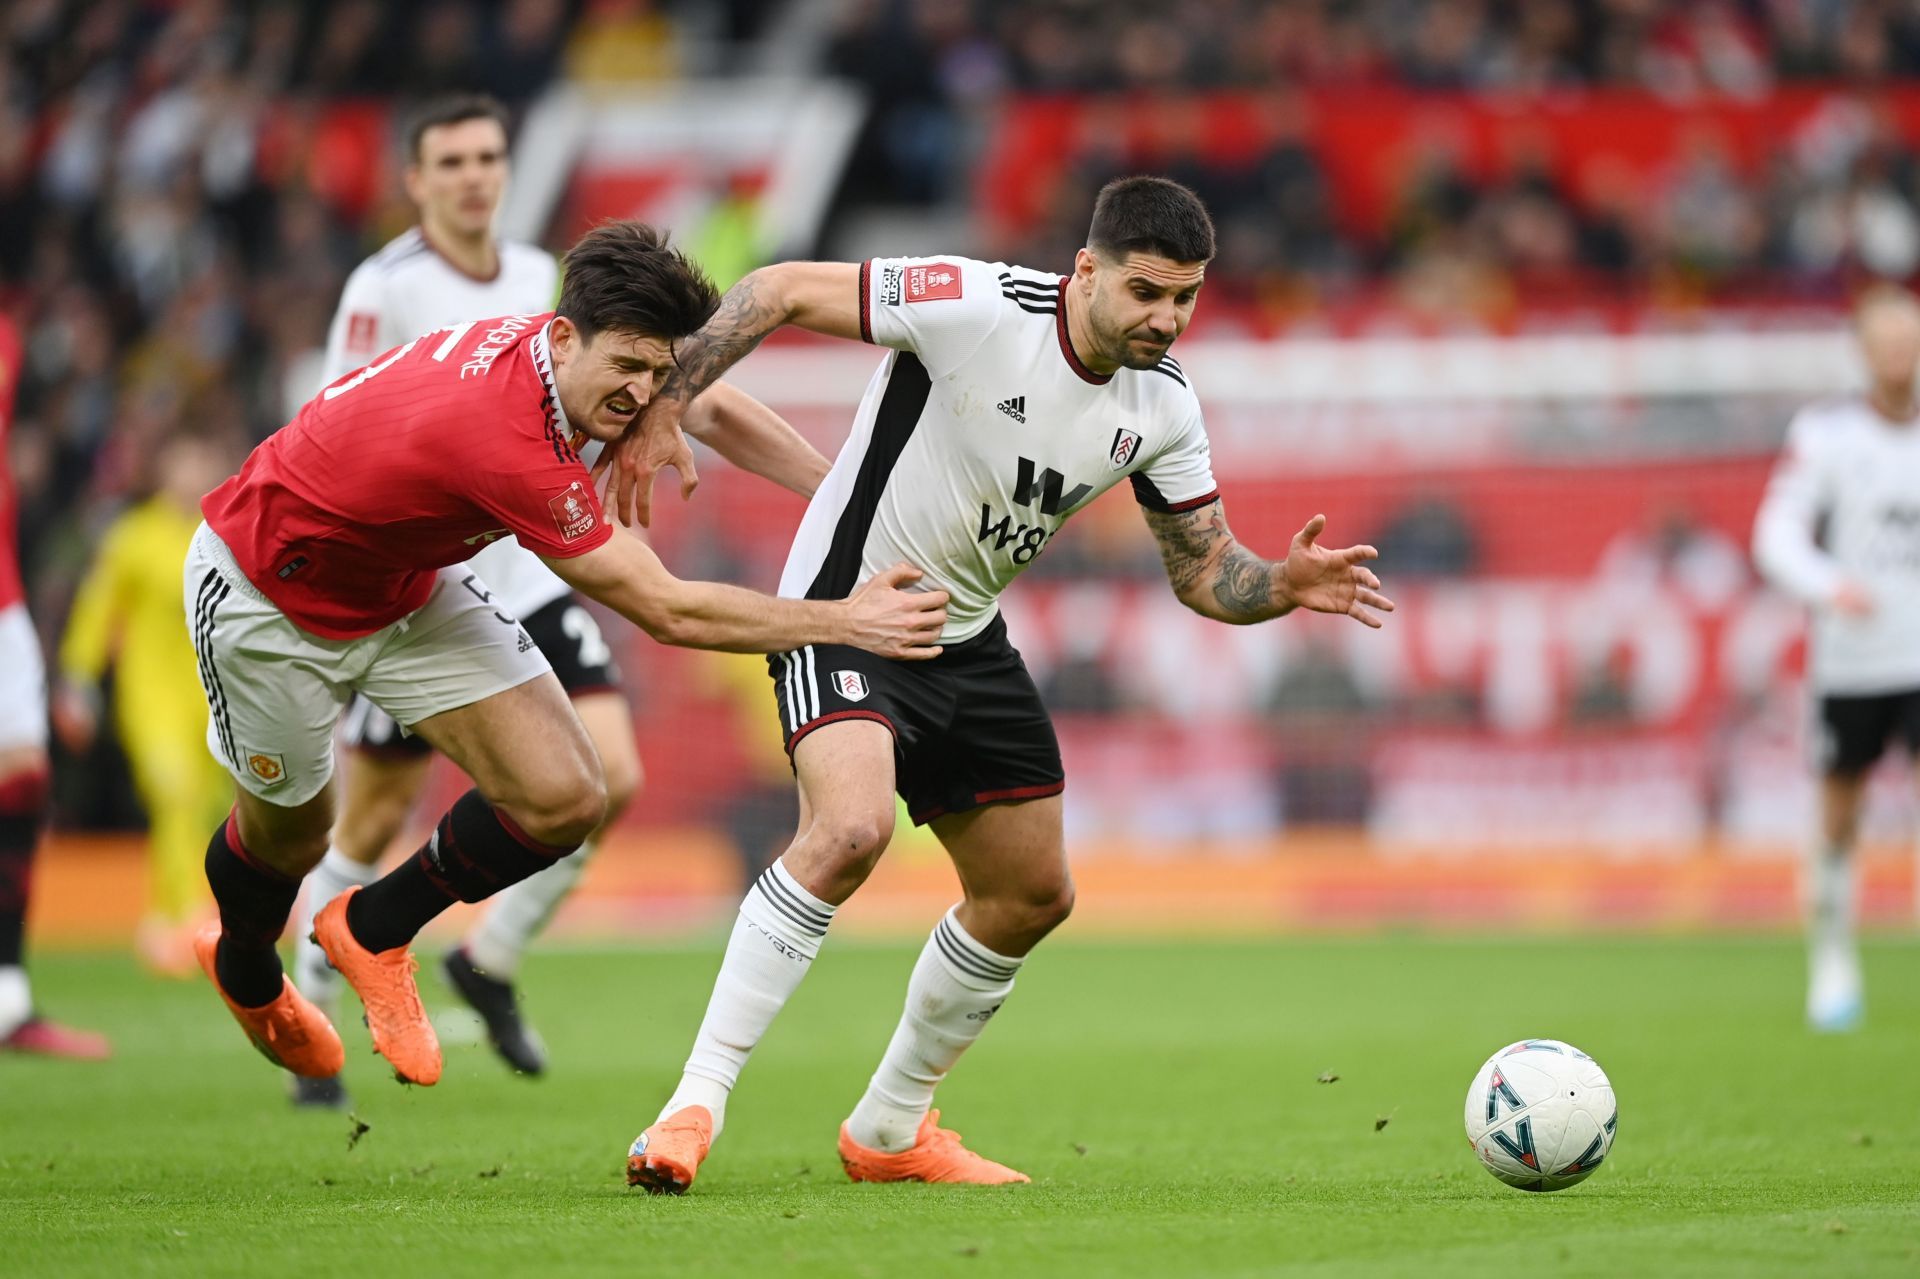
1840 530
24 769
127 614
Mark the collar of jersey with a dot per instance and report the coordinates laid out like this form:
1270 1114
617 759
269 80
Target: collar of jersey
542 352
1066 343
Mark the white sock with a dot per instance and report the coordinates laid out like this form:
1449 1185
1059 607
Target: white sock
16 998
775 939
335 874
956 986
516 914
1830 901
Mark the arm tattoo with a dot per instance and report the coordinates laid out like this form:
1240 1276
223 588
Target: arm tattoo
745 316
1244 585
1188 542
1199 551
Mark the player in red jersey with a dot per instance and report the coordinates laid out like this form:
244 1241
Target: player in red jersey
326 567
24 769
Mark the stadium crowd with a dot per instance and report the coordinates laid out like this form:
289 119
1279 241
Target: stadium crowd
182 192
183 189
184 183
1829 207
1672 47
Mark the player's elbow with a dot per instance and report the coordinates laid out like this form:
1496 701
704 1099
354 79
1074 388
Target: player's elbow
669 621
1200 598
776 284
1773 548
662 626
709 418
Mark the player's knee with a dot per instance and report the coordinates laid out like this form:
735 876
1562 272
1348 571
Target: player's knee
621 776
557 797
565 815
1047 907
1032 910
853 840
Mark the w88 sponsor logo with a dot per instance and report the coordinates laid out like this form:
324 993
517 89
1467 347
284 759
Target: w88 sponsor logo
1027 540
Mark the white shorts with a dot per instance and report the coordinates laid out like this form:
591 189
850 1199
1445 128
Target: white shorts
23 682
274 691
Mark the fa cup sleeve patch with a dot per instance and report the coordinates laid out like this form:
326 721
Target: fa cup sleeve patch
573 512
937 281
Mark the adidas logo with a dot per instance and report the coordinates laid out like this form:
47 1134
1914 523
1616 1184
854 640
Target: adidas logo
1015 408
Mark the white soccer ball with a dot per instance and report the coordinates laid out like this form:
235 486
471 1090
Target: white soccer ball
1541 1115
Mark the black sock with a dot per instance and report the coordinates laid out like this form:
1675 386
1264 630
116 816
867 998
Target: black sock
475 852
17 838
254 901
21 806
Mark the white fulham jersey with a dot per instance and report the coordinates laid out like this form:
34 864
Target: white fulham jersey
407 289
981 433
1846 465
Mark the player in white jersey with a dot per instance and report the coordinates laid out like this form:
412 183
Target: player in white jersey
1011 398
1852 467
448 269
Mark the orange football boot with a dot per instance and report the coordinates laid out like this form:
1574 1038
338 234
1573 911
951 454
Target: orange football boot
936 1155
384 981
666 1157
289 1032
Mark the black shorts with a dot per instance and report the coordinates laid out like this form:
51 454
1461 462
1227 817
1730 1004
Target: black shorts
968 726
565 633
1854 731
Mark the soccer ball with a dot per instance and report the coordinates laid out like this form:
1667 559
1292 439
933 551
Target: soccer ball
1541 1115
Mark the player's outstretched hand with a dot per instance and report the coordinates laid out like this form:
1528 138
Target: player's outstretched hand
649 444
894 622
1333 581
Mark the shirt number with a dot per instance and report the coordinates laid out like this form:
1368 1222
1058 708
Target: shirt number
579 626
341 388
453 335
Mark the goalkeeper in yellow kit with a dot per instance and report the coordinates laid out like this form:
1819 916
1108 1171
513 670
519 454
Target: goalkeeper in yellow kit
127 614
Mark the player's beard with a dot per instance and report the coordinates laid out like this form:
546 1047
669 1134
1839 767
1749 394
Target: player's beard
1119 345
1134 359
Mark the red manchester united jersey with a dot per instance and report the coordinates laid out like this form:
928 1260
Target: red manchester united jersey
10 357
403 467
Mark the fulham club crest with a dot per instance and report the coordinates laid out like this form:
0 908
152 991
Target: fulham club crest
851 685
1125 445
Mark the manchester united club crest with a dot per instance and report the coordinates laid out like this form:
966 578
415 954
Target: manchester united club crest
270 769
851 685
1125 444
573 512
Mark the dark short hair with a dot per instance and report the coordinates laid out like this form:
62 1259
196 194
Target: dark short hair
1151 215
623 276
455 109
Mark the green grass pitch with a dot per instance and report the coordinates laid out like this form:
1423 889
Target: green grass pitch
1163 1095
